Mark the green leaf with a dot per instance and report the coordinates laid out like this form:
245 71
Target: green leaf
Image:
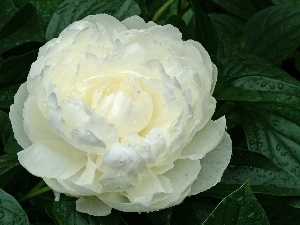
277 2
15 70
269 108
239 208
7 95
243 8
264 175
193 212
22 28
180 24
278 211
8 9
70 11
63 212
129 8
7 164
12 146
203 29
273 33
249 78
274 131
44 9
161 217
230 31
10 210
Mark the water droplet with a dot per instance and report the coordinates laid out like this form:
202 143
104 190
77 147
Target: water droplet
280 86
275 123
293 170
278 147
240 200
251 215
283 153
286 164
234 178
252 142
263 84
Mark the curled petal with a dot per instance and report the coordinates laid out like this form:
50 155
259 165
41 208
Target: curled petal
92 206
52 159
16 116
213 166
205 140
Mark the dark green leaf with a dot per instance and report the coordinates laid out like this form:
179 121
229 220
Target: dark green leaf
203 29
44 9
193 212
15 70
243 8
230 30
23 28
3 120
273 129
7 164
239 208
10 210
63 212
70 11
274 32
161 217
265 176
12 146
269 111
285 1
7 95
129 8
278 211
180 24
248 78
8 9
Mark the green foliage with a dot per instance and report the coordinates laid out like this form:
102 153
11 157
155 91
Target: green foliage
255 45
240 208
70 11
10 210
63 212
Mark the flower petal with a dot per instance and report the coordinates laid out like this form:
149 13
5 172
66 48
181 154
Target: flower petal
52 159
92 206
136 22
205 140
181 176
213 166
152 189
16 116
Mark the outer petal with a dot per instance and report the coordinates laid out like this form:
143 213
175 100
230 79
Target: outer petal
109 22
52 159
16 116
213 166
92 206
136 22
181 177
153 189
205 140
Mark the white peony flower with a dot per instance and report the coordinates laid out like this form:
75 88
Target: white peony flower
118 114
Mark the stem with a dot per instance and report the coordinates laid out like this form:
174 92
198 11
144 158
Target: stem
38 186
162 10
35 191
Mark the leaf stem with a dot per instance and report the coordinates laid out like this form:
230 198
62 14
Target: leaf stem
35 191
162 10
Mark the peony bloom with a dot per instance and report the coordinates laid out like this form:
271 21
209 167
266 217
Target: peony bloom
118 114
